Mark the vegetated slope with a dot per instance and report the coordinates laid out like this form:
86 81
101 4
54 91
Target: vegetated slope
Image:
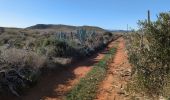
43 38
20 49
55 84
118 75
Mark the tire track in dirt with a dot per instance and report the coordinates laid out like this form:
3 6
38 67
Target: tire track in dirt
118 74
55 84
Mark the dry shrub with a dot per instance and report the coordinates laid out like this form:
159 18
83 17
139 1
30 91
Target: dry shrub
22 57
19 69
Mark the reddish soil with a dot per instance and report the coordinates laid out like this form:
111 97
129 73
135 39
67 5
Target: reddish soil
55 84
112 87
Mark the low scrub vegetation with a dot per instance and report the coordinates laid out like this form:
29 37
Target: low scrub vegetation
18 69
149 53
87 87
24 52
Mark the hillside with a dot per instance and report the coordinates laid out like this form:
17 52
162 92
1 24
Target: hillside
64 28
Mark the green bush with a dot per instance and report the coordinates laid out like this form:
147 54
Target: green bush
149 53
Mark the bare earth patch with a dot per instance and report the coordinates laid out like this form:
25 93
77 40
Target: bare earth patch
118 74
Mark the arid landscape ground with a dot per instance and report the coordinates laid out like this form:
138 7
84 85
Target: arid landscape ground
84 50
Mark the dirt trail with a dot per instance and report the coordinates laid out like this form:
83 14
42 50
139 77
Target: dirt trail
112 87
55 84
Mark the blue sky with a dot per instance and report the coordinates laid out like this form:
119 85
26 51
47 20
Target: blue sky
109 14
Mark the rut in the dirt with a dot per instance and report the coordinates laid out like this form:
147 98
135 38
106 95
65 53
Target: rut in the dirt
118 74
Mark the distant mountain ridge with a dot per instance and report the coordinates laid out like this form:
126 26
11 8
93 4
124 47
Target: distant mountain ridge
55 28
61 27
121 31
49 26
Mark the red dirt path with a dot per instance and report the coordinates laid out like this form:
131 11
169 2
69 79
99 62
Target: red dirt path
118 74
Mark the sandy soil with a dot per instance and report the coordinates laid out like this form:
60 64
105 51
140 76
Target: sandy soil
55 84
112 87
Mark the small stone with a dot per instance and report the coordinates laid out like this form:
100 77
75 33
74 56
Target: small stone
121 92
